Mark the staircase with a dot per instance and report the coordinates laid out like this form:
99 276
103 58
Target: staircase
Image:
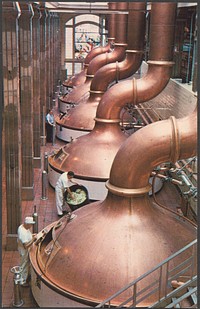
183 296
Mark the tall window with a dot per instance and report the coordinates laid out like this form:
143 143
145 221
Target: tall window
82 33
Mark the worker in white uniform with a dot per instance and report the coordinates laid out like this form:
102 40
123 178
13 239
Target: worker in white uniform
64 182
25 240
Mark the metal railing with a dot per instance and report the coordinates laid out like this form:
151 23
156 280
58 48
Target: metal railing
160 278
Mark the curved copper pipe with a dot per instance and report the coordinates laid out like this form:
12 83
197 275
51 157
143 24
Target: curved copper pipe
159 70
120 42
108 112
99 61
164 141
79 117
133 227
134 91
79 78
111 35
134 54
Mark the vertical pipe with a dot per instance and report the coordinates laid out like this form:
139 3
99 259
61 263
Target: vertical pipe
18 301
44 186
35 219
46 162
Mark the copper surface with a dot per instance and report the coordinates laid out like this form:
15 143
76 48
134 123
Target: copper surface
113 242
118 54
99 147
82 116
110 244
102 142
168 140
79 78
159 66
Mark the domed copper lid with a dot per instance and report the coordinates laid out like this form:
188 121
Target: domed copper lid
108 245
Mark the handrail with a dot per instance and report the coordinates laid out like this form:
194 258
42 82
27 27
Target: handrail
163 280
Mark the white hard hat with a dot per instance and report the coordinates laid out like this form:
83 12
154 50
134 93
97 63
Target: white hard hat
29 220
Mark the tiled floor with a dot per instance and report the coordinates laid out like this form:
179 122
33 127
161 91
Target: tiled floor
46 213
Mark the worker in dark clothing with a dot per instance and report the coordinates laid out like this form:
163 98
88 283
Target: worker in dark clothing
49 126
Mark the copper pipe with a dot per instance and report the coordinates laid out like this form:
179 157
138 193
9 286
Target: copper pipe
79 78
159 69
106 135
83 116
120 42
99 61
134 54
111 35
134 228
167 140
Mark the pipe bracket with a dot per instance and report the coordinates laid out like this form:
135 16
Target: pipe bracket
107 120
127 192
167 63
175 142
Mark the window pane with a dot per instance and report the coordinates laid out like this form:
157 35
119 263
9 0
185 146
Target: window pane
70 22
86 17
86 37
77 67
69 43
69 68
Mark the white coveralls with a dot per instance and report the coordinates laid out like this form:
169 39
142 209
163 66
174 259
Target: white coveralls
24 236
61 185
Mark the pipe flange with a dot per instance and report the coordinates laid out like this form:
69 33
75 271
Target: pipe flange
97 91
175 141
135 51
127 192
91 76
155 62
121 44
107 120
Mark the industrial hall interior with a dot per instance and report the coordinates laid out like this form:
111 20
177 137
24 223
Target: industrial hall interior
99 154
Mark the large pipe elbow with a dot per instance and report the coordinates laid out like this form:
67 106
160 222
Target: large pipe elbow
135 91
163 141
117 54
99 50
117 71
